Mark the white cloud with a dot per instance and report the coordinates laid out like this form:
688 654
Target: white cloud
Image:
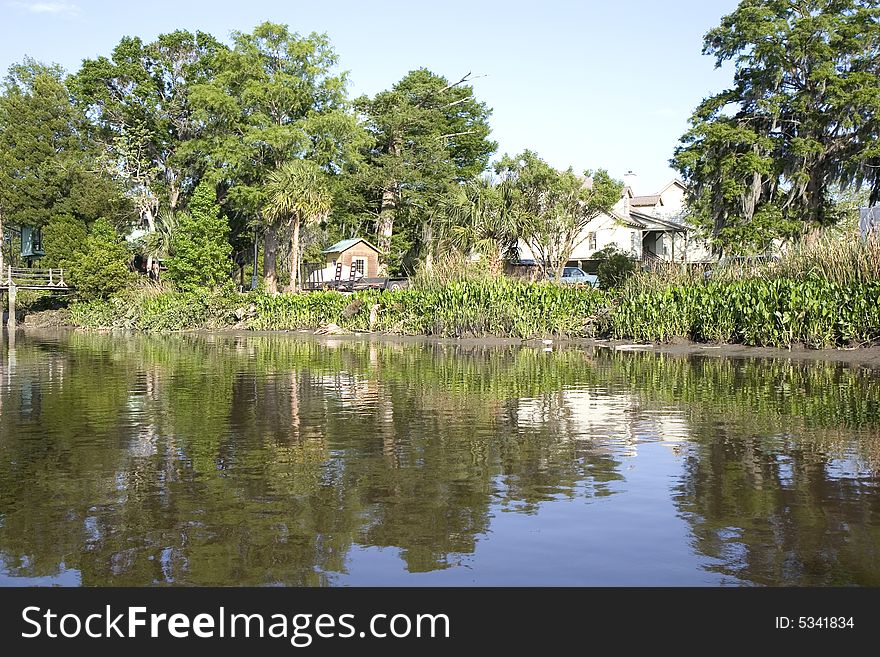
47 7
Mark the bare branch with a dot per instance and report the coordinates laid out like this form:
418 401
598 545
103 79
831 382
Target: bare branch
457 134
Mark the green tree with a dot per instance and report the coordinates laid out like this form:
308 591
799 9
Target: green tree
46 156
476 220
64 240
297 195
103 268
139 101
275 98
200 248
552 208
428 135
763 157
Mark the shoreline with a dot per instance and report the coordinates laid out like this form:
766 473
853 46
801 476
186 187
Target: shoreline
868 356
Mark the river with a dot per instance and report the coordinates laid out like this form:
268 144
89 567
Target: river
254 459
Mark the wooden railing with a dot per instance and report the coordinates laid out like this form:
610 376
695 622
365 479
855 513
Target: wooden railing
33 278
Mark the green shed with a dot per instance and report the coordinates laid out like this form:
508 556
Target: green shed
31 242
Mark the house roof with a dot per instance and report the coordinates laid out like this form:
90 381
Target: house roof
345 245
629 220
651 222
653 199
675 182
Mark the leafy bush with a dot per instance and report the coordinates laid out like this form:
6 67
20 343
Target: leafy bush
150 310
101 269
614 267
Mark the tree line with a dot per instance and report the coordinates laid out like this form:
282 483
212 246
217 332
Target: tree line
213 148
208 147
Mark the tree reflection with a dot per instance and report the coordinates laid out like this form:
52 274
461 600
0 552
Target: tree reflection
268 459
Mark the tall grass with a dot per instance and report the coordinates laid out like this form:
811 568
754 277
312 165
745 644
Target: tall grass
152 309
474 307
848 261
824 294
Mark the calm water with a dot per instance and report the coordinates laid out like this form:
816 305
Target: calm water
257 459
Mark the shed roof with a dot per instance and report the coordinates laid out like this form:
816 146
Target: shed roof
345 245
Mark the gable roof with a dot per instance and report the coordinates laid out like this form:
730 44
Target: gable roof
675 182
641 201
626 220
345 245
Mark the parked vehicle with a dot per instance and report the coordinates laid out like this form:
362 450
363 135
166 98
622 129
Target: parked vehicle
577 276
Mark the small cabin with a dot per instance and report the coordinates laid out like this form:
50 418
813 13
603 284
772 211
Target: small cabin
356 253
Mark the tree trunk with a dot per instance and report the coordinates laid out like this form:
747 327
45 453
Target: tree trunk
428 239
149 218
294 256
270 252
2 242
498 265
559 269
385 226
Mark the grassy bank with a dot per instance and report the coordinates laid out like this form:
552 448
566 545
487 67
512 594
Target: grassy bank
757 312
820 297
478 308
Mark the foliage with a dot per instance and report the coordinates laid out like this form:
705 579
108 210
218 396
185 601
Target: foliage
762 158
297 195
275 97
427 135
200 249
102 269
158 244
775 312
494 306
139 100
64 240
614 267
552 208
156 311
46 158
478 308
476 221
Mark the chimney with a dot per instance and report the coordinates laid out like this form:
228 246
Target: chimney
629 180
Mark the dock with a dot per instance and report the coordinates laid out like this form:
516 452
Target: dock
13 279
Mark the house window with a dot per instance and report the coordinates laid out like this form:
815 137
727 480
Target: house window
591 241
359 265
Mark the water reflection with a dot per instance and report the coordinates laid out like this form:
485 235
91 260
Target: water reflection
255 459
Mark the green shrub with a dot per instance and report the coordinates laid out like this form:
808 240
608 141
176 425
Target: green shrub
64 239
200 248
101 269
614 267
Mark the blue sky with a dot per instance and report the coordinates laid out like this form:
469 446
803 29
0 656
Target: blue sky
589 84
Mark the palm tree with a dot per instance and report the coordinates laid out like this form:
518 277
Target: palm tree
157 244
480 221
298 194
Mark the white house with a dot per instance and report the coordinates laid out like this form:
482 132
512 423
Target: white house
650 228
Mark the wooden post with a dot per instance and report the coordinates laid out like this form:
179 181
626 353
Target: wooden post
10 321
